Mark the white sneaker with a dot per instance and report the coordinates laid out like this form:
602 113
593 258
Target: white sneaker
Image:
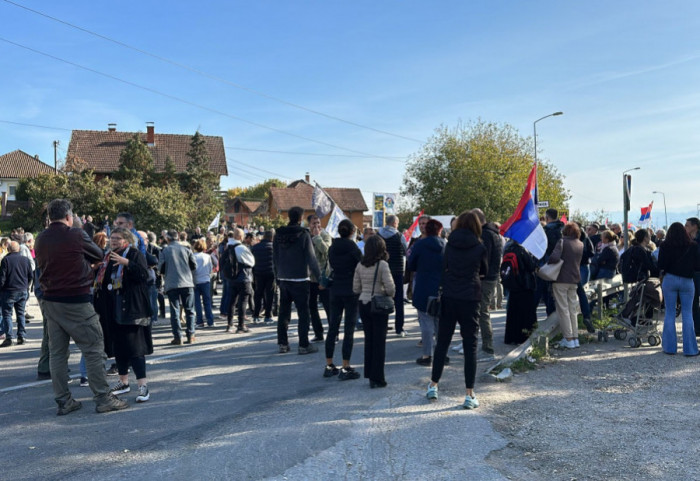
457 347
576 343
144 395
567 344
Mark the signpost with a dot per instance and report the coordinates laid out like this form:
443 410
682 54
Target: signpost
543 204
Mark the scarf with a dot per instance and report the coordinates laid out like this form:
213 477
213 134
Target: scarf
117 277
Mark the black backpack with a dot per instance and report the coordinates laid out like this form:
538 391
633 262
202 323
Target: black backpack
229 266
629 268
510 270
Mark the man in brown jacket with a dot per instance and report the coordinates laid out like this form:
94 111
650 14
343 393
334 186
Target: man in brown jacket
64 255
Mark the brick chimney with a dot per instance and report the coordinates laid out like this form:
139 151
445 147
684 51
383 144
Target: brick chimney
112 127
150 134
307 178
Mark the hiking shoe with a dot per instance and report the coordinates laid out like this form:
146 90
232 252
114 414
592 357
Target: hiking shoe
269 320
242 330
308 349
111 403
20 340
112 371
176 342
424 361
144 395
7 342
564 343
576 343
589 325
330 371
317 339
470 402
432 392
84 382
120 388
348 373
65 407
284 348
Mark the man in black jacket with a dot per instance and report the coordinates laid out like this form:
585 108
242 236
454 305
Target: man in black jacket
396 247
15 274
293 257
264 274
491 238
552 229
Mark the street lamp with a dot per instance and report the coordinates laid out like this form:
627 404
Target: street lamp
625 208
665 212
534 128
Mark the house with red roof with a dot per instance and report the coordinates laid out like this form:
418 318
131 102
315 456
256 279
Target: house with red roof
14 166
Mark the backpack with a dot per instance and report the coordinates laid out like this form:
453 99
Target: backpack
510 270
229 266
628 267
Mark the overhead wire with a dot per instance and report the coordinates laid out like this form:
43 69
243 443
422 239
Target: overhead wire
211 76
188 102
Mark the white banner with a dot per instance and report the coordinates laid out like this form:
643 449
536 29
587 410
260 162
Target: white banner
336 216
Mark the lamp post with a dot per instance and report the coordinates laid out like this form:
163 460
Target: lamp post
698 207
625 208
665 212
534 128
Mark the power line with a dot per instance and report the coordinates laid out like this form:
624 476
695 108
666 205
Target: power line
261 170
33 125
211 76
187 102
308 153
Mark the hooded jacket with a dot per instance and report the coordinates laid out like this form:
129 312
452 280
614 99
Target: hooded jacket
343 257
293 253
553 231
262 251
465 261
396 248
245 260
491 237
426 261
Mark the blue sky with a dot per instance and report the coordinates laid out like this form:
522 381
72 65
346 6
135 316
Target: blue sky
624 73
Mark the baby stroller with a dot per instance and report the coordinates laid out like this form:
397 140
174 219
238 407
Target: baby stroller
640 314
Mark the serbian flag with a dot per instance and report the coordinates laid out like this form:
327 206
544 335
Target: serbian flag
646 214
524 225
409 233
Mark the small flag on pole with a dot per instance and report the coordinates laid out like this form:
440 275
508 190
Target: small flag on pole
321 202
646 214
215 223
336 216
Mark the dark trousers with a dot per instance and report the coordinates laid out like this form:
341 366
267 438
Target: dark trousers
466 313
239 292
182 297
137 363
298 293
398 301
314 295
161 303
338 305
264 293
581 293
543 291
374 326
43 366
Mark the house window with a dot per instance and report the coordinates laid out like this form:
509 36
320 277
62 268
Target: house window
13 190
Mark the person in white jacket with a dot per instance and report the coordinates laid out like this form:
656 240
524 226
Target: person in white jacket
237 266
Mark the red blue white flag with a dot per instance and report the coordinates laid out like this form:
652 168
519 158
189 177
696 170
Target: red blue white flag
646 214
524 225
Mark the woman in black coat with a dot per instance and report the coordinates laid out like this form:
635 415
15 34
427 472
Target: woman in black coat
122 301
518 276
464 263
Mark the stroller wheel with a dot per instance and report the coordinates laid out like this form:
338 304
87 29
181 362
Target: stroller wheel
632 341
652 340
618 334
600 336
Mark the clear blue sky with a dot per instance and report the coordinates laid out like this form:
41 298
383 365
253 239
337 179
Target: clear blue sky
625 73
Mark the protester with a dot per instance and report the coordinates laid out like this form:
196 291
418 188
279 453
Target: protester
373 278
553 227
343 257
15 276
322 242
679 259
177 263
692 227
585 271
518 277
264 277
367 232
237 265
126 221
202 283
570 250
466 261
636 263
124 306
425 261
294 257
396 248
605 262
64 256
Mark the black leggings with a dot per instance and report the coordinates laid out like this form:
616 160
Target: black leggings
137 363
467 314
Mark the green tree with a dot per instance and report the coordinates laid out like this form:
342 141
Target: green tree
481 164
169 176
201 184
259 191
155 208
135 162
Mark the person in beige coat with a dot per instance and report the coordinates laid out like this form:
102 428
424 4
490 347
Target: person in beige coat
374 264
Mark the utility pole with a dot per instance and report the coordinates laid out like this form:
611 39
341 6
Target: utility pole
55 157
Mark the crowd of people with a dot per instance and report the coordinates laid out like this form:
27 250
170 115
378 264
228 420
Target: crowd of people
104 286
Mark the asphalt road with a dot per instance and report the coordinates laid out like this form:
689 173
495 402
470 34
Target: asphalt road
231 407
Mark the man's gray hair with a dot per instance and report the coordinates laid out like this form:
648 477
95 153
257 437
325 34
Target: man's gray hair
391 219
59 209
172 235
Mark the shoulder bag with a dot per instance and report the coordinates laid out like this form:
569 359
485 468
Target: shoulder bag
381 304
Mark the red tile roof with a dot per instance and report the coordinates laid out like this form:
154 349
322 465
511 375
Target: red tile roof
100 149
18 164
348 199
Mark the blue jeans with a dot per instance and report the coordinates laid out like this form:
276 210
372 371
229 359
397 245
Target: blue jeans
582 299
8 301
225 296
674 287
185 297
202 292
153 296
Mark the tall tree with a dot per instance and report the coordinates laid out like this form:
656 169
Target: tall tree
259 191
200 183
135 162
480 164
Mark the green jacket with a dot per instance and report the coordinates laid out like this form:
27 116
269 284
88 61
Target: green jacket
322 243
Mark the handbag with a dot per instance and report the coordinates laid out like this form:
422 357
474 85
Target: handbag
550 272
381 304
434 307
